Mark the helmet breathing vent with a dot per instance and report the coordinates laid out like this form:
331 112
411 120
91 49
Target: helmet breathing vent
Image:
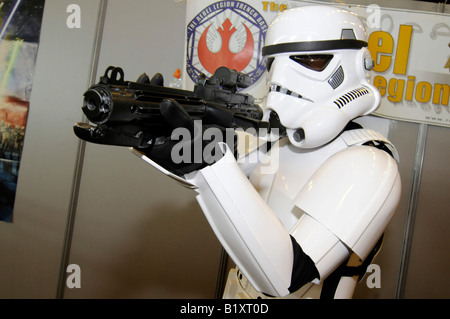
337 78
350 96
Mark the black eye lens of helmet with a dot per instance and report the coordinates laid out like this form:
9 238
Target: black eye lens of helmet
316 62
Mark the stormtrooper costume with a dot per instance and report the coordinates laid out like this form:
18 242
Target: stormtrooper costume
302 220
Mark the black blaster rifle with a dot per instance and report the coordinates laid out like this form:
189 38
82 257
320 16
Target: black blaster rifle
127 113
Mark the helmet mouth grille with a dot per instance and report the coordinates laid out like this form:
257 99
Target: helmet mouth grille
350 96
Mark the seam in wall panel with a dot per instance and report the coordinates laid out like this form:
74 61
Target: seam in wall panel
80 156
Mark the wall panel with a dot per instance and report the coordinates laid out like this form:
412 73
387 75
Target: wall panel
137 233
427 275
31 247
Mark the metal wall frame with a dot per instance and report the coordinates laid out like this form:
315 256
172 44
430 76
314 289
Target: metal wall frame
80 155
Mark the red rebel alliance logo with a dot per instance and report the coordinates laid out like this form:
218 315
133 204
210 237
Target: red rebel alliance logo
225 57
226 33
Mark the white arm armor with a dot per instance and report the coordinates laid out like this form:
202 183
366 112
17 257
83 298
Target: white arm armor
247 228
347 204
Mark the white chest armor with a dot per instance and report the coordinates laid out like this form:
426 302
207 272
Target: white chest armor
278 182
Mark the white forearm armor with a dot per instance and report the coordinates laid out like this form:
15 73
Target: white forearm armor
245 225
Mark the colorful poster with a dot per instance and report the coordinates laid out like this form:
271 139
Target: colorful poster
236 39
411 50
20 25
226 33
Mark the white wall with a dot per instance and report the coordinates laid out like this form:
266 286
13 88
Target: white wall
31 247
136 233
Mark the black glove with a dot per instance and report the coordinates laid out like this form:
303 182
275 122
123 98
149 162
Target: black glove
188 145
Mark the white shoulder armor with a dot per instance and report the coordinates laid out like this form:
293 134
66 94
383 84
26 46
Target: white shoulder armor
354 193
360 136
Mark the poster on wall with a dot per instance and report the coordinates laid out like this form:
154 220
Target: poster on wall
20 25
411 50
226 33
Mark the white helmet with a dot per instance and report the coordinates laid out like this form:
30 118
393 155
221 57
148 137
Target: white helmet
318 65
